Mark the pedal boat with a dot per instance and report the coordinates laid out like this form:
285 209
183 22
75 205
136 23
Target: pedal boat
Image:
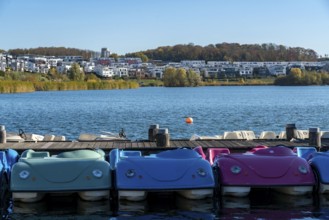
85 172
319 162
8 158
277 168
179 170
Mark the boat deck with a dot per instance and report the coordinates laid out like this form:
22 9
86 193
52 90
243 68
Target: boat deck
233 145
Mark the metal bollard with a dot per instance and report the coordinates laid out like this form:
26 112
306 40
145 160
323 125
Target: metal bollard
314 137
163 138
291 131
153 130
3 138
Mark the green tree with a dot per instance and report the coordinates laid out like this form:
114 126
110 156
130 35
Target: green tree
75 73
169 77
173 77
193 78
115 56
181 77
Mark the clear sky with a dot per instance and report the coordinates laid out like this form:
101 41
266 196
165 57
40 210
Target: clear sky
125 26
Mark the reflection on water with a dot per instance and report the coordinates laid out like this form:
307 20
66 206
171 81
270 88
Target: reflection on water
267 205
55 207
260 205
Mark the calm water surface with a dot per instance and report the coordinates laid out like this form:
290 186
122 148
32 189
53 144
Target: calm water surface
214 110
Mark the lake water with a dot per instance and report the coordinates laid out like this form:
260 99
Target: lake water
214 110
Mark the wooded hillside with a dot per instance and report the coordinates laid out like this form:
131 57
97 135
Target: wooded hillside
52 51
217 52
230 52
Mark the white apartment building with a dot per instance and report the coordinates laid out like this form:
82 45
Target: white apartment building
193 63
104 71
121 72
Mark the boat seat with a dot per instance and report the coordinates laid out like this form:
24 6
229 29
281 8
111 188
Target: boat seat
88 154
130 153
32 154
267 135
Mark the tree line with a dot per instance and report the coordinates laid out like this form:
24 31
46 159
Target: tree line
212 52
298 77
229 52
53 51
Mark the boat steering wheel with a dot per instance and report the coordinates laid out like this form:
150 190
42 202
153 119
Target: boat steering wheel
21 133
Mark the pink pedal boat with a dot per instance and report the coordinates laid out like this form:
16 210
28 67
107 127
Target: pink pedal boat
277 168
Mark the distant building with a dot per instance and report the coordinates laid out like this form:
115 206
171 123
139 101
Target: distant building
105 52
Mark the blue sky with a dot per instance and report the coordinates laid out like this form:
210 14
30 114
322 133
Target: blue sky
125 26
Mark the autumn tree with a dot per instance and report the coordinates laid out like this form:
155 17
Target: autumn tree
173 77
75 73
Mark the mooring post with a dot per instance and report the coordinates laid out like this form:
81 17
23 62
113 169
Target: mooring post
153 130
163 138
291 131
3 138
314 137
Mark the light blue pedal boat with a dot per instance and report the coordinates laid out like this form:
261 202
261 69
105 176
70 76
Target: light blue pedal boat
85 172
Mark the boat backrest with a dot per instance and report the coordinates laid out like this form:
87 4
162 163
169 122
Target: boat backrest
267 135
282 135
114 158
233 135
324 134
200 151
59 138
248 135
277 151
48 137
257 148
304 152
86 137
212 153
302 134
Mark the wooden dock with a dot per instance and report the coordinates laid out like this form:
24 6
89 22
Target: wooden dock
233 145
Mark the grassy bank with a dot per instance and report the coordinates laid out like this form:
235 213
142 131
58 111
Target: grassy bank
240 82
24 86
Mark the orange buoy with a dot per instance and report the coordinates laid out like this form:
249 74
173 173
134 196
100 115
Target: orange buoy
189 120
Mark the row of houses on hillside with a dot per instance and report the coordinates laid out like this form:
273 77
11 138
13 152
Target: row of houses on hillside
134 67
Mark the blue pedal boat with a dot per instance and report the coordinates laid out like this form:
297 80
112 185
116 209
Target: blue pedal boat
179 170
319 162
7 159
85 172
